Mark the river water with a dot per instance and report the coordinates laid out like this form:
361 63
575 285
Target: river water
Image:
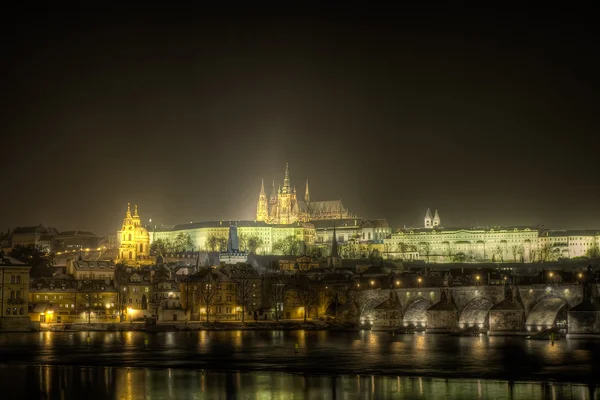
327 365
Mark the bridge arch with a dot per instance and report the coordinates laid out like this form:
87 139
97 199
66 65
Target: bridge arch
476 313
416 312
547 312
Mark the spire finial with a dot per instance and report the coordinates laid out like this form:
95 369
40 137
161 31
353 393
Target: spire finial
307 193
286 179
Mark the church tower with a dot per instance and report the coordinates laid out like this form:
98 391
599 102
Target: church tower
428 223
307 193
334 260
262 208
284 200
134 247
436 219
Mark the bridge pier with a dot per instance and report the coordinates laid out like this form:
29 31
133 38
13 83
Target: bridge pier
442 317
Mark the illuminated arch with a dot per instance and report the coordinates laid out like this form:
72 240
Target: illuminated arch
416 312
546 312
476 313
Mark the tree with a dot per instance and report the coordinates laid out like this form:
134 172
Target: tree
593 252
278 289
183 242
246 286
459 257
516 250
206 290
161 246
33 256
157 301
290 246
499 253
425 248
214 242
324 298
253 243
305 290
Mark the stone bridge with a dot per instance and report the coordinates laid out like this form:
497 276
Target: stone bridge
494 308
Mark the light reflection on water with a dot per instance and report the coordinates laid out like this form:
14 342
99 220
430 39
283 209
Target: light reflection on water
140 383
319 353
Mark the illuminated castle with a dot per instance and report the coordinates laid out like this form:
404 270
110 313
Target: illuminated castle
283 207
134 241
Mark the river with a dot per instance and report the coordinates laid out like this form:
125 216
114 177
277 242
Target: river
326 365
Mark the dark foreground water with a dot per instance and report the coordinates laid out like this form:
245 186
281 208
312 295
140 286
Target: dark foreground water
328 365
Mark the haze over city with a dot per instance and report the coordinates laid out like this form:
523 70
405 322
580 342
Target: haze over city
484 116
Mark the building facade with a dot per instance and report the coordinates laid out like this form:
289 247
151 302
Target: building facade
134 241
14 293
434 243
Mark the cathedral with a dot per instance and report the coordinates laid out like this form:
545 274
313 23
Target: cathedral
134 240
284 207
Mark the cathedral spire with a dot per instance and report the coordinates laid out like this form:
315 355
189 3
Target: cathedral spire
307 193
286 179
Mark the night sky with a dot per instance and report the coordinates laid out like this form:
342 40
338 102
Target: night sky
485 115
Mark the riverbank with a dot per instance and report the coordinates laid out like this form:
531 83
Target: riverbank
201 326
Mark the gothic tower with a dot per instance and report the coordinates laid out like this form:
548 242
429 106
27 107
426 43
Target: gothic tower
262 208
307 193
436 219
284 200
428 223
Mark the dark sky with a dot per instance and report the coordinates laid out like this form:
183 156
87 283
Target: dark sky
488 116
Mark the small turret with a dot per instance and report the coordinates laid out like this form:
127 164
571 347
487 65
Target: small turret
436 219
428 222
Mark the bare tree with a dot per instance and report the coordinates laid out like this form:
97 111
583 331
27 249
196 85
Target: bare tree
306 295
157 301
206 291
278 289
425 248
246 287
